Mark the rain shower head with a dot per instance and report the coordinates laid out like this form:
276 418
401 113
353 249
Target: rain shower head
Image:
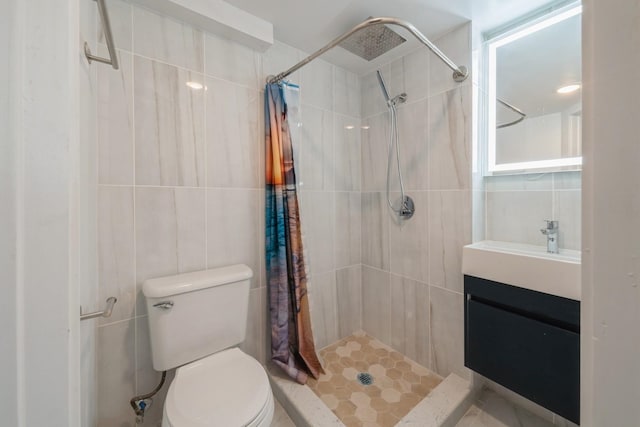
371 42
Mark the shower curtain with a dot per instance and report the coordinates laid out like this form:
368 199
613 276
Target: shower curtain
292 345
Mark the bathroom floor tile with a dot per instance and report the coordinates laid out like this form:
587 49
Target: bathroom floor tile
493 410
280 417
368 383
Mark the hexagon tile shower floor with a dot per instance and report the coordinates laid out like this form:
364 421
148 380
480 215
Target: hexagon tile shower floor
369 384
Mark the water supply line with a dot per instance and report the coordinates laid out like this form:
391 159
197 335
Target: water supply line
142 402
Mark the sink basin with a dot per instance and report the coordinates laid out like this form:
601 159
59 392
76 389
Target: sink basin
525 266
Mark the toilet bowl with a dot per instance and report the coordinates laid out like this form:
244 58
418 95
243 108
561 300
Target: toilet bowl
196 321
228 388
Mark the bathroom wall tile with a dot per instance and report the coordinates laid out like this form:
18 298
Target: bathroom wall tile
478 216
116 374
346 96
233 62
323 307
518 216
317 84
280 57
116 256
154 415
318 219
169 127
567 211
162 38
567 180
120 18
457 46
147 378
450 140
253 343
375 141
233 234
349 296
410 75
416 74
170 234
413 146
394 78
409 240
234 141
447 332
522 182
376 310
347 231
115 122
449 231
373 101
347 147
262 236
410 318
375 230
317 164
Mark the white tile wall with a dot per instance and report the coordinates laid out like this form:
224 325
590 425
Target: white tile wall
169 125
234 135
181 190
517 205
411 280
167 40
181 186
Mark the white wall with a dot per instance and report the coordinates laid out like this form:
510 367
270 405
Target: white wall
611 205
8 220
85 205
41 322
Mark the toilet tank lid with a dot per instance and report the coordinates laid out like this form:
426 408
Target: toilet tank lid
188 282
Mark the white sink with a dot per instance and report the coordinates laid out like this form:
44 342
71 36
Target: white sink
525 266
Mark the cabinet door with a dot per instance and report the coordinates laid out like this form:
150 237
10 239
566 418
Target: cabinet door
535 359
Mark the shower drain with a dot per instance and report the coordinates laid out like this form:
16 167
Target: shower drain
365 378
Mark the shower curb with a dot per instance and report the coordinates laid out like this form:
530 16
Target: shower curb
443 407
301 404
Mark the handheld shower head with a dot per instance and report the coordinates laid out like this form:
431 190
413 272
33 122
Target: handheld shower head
383 87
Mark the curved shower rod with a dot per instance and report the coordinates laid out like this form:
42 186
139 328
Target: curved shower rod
515 110
460 73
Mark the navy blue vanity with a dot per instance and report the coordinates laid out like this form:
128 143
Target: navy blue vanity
525 340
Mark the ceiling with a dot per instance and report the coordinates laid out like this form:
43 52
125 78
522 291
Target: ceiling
310 24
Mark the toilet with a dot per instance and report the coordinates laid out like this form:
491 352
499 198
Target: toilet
196 321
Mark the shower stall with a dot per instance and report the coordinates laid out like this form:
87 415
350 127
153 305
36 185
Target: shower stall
384 244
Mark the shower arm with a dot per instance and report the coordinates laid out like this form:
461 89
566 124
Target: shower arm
460 73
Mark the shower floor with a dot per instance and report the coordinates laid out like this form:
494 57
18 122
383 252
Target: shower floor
397 384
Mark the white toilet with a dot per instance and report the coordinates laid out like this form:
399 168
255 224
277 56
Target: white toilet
195 322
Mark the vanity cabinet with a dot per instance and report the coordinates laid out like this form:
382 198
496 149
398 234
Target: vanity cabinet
525 340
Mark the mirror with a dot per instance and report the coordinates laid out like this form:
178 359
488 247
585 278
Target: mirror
535 109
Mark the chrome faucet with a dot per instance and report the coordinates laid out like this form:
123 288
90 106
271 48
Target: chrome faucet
551 231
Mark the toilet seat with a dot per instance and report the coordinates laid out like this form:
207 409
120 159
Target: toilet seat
226 389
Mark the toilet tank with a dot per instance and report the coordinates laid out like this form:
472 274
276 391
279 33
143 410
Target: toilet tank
196 314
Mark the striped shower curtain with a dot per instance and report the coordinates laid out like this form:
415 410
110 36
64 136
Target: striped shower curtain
292 345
